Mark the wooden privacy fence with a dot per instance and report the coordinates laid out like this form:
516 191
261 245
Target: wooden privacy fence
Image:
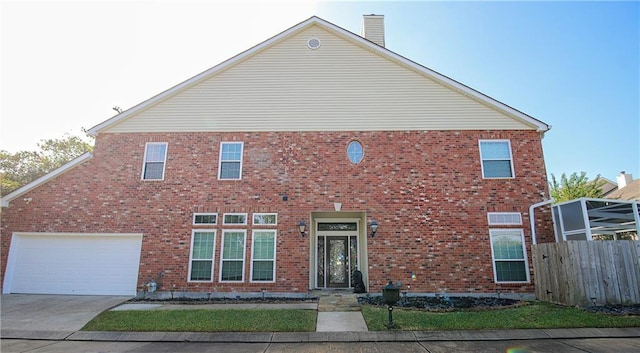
586 273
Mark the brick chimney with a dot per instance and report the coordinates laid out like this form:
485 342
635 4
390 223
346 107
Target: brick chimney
623 179
373 28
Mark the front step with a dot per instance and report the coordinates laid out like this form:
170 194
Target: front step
338 302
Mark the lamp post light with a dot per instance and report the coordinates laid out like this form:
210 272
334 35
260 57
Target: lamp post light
390 295
302 227
374 228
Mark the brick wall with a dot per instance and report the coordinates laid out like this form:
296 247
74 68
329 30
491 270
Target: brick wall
425 189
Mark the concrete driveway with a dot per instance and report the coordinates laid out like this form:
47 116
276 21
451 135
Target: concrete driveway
56 313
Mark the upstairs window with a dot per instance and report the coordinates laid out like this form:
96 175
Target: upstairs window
496 159
355 152
155 156
230 167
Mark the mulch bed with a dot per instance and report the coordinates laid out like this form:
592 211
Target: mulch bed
445 303
226 300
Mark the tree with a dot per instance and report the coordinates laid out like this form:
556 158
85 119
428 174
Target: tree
575 186
20 168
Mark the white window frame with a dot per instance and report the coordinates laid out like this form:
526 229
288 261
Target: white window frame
513 172
244 251
253 219
220 160
275 242
213 254
224 219
204 214
492 233
164 161
506 215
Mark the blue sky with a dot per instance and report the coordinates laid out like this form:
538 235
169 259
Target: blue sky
573 65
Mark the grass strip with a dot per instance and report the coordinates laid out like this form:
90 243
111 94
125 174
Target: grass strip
533 315
202 320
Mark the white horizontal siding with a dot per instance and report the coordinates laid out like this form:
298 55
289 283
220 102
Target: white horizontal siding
340 86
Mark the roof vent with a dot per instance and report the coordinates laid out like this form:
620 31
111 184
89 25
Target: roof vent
313 43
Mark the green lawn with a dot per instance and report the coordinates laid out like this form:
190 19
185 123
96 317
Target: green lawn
201 320
533 315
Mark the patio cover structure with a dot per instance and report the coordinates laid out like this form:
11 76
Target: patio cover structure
589 219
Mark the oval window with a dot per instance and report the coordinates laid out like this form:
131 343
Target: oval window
355 152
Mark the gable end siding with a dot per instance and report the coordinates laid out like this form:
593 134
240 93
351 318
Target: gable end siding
341 86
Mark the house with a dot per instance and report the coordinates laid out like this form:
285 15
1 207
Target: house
286 168
607 186
627 188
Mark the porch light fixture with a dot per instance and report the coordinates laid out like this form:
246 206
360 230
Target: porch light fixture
374 227
302 226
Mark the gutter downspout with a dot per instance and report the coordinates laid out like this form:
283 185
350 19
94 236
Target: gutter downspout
532 218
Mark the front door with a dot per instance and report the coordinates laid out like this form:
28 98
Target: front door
337 270
336 254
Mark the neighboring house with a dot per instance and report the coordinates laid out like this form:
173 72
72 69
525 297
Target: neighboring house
627 188
268 173
607 186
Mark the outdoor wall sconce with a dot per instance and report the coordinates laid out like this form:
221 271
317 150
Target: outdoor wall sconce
374 227
302 226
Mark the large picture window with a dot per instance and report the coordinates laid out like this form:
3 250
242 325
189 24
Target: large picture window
263 256
496 159
230 160
509 256
155 156
202 250
232 262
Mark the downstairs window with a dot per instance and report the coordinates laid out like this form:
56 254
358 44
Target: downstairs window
509 256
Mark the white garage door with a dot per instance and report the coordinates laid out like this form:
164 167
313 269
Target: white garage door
81 264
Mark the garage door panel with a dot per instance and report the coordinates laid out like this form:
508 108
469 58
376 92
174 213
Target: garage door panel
74 264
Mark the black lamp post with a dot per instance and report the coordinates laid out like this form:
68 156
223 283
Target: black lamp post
390 295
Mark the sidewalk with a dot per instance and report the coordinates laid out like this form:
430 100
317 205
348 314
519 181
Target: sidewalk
311 337
339 320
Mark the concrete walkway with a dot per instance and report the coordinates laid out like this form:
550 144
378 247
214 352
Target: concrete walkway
340 312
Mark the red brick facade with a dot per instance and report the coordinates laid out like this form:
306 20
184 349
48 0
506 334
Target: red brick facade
424 188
